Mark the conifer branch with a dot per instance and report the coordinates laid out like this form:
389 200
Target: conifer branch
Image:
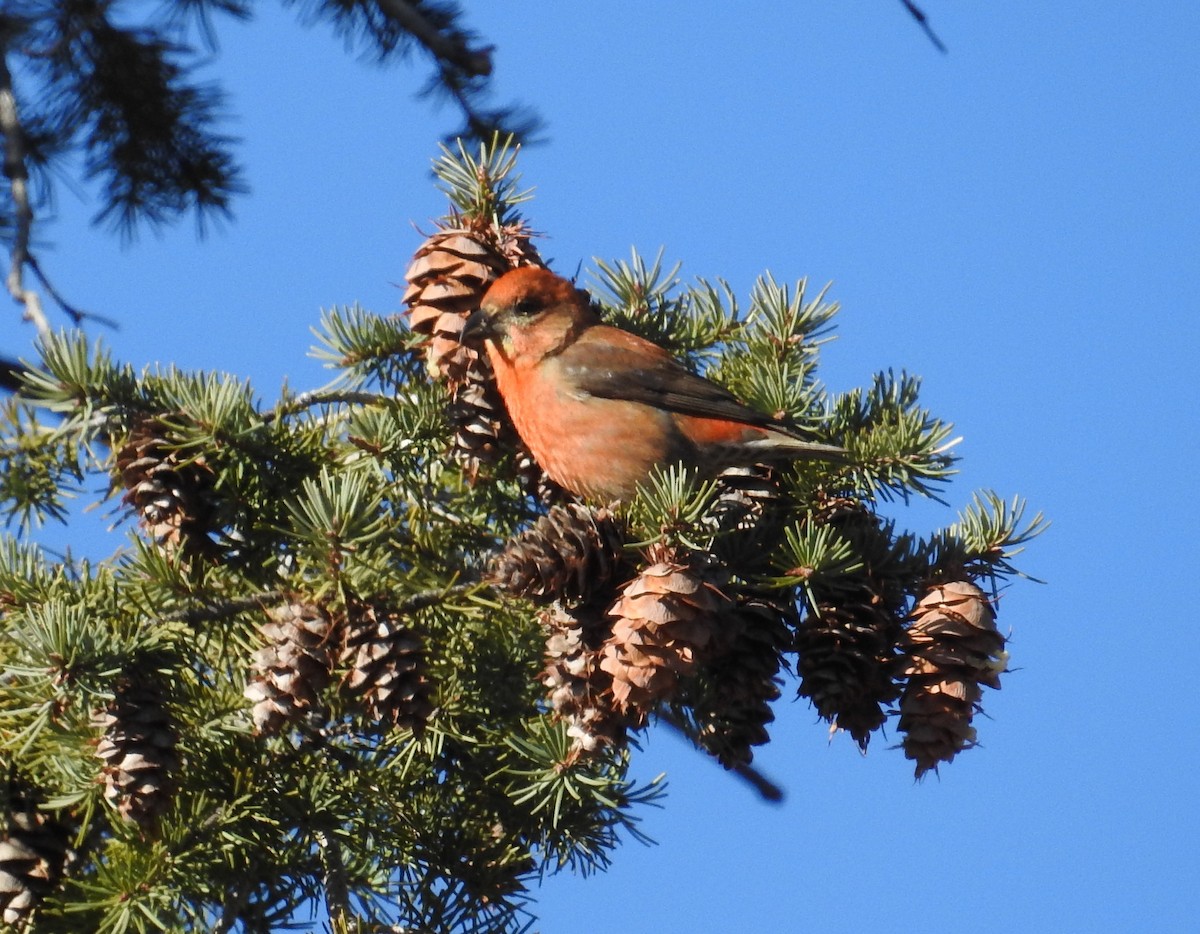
448 47
211 612
21 255
326 711
17 172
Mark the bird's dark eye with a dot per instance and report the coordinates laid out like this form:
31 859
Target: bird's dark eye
526 307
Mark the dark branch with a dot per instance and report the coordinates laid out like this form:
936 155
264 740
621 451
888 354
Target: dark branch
75 313
462 69
10 375
919 15
448 47
766 788
210 612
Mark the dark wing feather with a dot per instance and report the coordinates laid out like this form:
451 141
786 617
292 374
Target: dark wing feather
603 364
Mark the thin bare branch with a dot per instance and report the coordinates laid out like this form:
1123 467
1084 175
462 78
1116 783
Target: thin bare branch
337 890
75 313
323 397
209 612
919 15
766 788
17 172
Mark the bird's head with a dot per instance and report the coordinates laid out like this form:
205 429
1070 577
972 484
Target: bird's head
530 313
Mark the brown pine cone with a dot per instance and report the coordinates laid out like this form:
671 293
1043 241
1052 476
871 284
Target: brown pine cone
953 648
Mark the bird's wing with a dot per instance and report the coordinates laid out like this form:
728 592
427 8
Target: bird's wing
613 364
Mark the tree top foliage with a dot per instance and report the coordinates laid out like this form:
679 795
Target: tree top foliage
356 658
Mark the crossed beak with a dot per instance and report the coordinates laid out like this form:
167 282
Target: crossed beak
478 327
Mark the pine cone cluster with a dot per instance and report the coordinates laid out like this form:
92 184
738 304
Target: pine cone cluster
953 648
293 667
33 855
679 632
569 554
138 750
171 495
386 661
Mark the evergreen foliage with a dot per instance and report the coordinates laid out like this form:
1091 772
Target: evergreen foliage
327 557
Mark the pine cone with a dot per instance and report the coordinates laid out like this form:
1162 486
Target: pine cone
33 855
872 541
837 510
448 274
663 624
171 495
731 696
747 515
569 554
447 278
953 647
478 419
746 496
580 691
288 674
848 664
387 668
533 479
138 750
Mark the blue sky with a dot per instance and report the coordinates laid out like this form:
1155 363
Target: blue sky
1017 221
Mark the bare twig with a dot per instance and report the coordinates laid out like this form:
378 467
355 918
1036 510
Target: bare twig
919 15
17 173
426 598
766 788
324 397
75 313
209 612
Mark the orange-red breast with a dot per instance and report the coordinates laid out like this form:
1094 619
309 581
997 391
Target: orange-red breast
599 407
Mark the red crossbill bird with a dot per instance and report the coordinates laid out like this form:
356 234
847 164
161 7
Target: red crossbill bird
598 407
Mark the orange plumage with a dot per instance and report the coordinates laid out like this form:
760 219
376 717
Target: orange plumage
599 407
